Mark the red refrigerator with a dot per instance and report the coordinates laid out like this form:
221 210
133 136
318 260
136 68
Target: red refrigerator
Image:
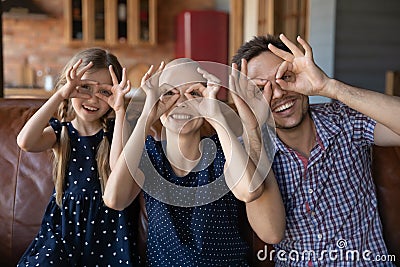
202 35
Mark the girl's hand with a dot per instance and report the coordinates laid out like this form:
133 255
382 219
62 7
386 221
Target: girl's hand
74 81
118 91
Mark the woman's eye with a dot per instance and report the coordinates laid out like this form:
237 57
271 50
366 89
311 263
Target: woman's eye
105 93
195 93
169 93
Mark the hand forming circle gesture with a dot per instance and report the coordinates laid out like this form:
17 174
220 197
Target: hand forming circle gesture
118 90
251 102
309 78
74 80
155 104
207 104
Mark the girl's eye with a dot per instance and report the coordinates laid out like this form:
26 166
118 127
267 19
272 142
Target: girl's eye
105 93
85 87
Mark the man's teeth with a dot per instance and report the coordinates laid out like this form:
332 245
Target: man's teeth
285 106
181 116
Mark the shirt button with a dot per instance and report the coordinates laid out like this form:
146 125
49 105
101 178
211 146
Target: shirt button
319 236
313 213
310 191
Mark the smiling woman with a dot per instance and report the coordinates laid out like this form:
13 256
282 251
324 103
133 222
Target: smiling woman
194 186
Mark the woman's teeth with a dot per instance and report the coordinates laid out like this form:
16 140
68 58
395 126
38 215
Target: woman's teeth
285 106
181 116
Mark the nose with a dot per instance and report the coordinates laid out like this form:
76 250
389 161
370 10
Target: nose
181 100
93 98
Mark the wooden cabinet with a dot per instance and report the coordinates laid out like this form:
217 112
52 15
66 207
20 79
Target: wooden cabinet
110 22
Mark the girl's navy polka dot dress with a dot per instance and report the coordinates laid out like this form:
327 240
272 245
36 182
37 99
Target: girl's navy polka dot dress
84 232
205 235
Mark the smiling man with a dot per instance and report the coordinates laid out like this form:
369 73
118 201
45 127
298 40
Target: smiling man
322 159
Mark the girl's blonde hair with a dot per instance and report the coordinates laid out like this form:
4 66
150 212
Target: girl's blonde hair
101 59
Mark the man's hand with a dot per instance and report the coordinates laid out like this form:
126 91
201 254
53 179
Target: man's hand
298 72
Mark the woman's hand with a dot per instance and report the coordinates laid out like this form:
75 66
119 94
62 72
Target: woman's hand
74 81
204 99
252 103
156 101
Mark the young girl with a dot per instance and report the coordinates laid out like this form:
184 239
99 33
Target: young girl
77 229
192 215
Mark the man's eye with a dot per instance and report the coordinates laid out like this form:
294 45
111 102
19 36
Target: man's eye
105 93
261 87
288 76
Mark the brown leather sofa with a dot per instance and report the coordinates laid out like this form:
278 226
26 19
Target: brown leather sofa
26 185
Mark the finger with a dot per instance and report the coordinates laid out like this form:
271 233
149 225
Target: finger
195 86
127 88
162 66
283 83
295 50
267 93
113 76
84 69
102 97
94 83
76 65
235 71
280 53
188 96
78 94
156 76
306 46
284 67
123 78
164 88
208 76
105 86
68 74
147 75
243 69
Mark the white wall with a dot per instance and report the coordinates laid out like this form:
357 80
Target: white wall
250 17
322 37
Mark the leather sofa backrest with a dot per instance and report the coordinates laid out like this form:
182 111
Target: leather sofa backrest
26 182
26 185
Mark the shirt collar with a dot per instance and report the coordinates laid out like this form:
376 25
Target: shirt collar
325 126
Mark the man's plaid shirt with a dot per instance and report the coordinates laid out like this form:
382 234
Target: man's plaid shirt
330 198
